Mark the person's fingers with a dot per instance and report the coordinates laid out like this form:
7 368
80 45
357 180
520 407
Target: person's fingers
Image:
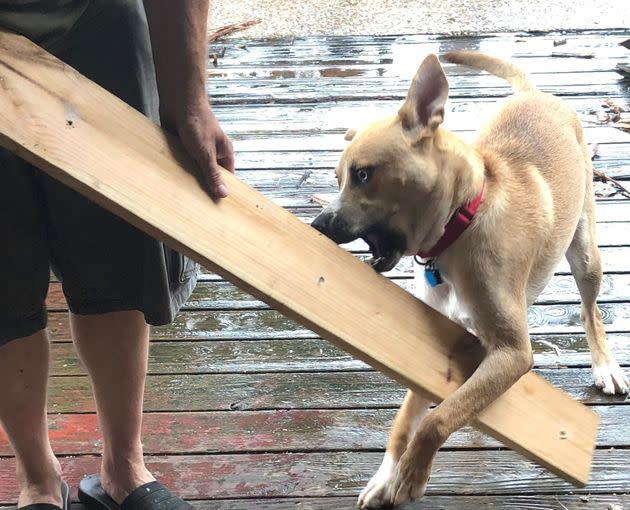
209 148
225 156
212 176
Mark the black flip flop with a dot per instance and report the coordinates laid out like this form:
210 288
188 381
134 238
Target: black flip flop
150 496
65 501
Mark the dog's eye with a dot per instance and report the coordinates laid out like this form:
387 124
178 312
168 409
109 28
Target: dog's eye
362 175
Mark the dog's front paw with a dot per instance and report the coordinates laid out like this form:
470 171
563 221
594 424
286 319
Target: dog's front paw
377 493
609 377
409 482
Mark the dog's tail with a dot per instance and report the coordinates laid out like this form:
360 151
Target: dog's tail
501 68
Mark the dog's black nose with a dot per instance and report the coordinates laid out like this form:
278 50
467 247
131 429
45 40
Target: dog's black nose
322 222
333 227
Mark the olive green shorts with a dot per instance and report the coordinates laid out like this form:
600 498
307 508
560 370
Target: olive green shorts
104 264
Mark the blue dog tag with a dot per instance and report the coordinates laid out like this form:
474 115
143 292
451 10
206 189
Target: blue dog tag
432 275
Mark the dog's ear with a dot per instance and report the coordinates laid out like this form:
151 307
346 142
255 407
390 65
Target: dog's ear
423 110
350 134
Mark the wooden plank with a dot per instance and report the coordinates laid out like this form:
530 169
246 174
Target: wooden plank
274 90
309 65
299 47
610 211
301 181
261 324
483 472
381 49
301 355
222 295
277 431
298 160
278 93
614 256
462 116
270 81
310 390
509 502
460 502
319 140
251 242
291 194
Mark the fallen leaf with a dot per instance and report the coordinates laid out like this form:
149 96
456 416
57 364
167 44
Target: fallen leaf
614 106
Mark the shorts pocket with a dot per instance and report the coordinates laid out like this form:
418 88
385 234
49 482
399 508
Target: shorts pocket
178 267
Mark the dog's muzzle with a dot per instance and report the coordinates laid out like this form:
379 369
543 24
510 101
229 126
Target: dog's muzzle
386 245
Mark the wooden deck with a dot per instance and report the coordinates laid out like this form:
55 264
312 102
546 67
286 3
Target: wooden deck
246 409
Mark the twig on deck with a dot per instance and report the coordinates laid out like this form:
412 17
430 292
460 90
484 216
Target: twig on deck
560 503
563 54
321 199
230 29
224 31
604 178
553 346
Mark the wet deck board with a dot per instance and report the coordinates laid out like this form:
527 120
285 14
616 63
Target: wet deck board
260 324
309 474
288 390
292 430
247 410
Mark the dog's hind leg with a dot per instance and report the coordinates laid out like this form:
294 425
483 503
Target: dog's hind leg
377 492
584 259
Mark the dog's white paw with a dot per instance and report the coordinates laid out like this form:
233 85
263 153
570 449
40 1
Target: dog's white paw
609 378
377 492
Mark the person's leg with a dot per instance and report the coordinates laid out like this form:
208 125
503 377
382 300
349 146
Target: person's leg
114 349
24 349
116 279
23 382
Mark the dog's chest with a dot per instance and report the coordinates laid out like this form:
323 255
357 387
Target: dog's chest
442 298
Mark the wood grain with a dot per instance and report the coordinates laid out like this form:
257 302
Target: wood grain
290 390
223 296
459 502
266 475
310 355
290 430
259 324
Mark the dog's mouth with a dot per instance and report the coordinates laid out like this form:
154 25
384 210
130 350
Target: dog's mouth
386 246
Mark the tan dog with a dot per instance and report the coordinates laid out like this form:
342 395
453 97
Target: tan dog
403 178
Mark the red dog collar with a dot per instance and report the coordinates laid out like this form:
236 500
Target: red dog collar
455 226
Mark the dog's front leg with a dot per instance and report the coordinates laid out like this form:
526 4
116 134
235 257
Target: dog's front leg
508 357
377 492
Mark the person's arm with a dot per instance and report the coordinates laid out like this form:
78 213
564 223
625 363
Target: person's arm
179 40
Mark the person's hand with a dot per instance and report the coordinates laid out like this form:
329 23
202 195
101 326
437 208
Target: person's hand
207 144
